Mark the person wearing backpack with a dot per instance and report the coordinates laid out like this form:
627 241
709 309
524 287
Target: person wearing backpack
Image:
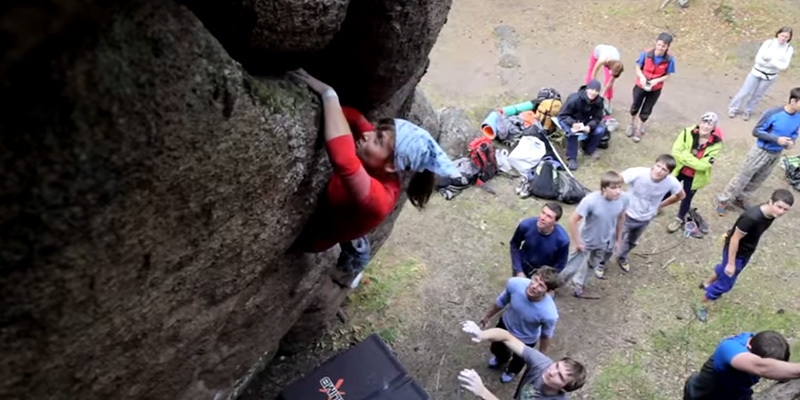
581 117
653 68
367 165
773 56
695 151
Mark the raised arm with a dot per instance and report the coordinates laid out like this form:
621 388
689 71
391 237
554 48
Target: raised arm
766 367
339 140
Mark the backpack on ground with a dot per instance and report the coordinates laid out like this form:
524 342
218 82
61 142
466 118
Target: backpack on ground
543 181
570 190
547 105
791 166
481 152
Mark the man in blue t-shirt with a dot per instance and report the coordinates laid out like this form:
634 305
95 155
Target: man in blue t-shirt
775 131
530 315
738 363
539 242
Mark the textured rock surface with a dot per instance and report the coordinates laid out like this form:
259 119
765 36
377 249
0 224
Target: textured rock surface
385 46
271 35
456 130
144 213
781 391
152 185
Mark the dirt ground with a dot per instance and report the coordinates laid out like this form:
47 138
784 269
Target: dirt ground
448 263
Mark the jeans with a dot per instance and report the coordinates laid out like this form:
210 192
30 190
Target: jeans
686 203
754 87
590 141
631 232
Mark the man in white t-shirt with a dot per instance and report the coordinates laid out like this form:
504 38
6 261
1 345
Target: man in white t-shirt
646 189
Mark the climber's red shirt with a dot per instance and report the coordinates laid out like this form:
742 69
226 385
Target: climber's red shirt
351 208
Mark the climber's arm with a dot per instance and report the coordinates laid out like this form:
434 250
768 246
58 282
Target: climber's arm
339 140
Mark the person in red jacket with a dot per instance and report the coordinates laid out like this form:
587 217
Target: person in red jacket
365 184
653 68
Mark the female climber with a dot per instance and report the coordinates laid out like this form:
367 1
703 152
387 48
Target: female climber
607 57
368 165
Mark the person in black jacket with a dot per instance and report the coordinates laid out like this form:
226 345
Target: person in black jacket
581 117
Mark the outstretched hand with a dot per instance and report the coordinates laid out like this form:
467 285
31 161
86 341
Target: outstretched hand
313 83
473 329
471 381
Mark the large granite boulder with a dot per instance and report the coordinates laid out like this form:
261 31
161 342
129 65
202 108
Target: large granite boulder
152 184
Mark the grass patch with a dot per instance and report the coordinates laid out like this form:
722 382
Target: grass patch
623 377
383 282
674 343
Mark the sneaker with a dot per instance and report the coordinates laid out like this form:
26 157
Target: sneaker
506 377
578 291
631 129
624 264
493 363
676 224
702 313
702 285
731 113
746 116
700 221
720 207
572 164
637 137
600 273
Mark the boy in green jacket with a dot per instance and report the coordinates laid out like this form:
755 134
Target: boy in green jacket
695 150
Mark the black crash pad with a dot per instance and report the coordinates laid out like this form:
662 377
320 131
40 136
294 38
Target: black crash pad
367 371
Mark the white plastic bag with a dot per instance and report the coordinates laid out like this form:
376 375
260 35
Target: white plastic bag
501 155
527 154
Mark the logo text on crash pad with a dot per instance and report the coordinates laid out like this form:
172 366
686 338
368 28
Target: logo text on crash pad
333 391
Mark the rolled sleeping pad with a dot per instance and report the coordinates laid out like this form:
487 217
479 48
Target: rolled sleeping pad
518 108
489 125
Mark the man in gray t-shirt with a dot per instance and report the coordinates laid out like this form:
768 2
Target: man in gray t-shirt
646 189
545 379
601 215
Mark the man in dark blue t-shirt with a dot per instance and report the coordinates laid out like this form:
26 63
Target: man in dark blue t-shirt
539 242
738 363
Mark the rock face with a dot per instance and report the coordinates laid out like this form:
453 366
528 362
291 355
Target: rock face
271 35
456 130
152 186
781 391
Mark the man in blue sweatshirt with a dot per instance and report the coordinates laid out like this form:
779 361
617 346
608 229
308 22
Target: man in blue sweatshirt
539 242
776 130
